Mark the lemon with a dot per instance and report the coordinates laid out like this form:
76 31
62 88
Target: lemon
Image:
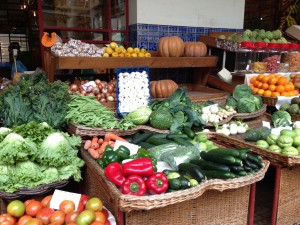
141 54
118 50
115 54
134 55
143 50
109 50
127 54
105 54
147 54
113 45
121 55
136 50
130 50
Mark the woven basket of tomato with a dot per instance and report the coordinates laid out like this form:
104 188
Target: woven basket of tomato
270 86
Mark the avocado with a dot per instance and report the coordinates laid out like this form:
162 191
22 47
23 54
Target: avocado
295 100
161 119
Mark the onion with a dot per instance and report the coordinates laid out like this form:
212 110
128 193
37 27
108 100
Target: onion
82 82
83 92
95 90
74 87
110 88
89 89
102 100
97 81
110 98
114 94
104 83
90 94
99 96
104 90
113 82
100 87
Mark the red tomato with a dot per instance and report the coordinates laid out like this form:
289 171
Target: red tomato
71 217
67 206
100 217
94 204
33 208
44 215
107 222
34 221
16 208
46 201
71 223
23 219
105 212
7 219
82 202
28 201
97 223
58 217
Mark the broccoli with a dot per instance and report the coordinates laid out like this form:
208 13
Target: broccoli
281 118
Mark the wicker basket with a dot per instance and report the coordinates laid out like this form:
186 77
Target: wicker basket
270 101
251 115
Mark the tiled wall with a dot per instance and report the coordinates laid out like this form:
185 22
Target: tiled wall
147 35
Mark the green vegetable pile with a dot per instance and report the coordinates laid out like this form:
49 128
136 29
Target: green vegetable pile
281 118
87 111
34 154
243 101
175 113
35 99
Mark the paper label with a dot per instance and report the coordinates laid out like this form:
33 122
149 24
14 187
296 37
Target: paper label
266 124
58 196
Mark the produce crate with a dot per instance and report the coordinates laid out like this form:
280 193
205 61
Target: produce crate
213 201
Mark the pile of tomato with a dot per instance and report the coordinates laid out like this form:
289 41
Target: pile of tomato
273 85
90 211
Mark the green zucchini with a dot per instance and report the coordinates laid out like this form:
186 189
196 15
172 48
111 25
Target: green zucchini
173 175
182 141
189 132
184 182
255 159
246 150
174 184
172 136
191 170
167 172
243 155
211 174
234 168
247 168
242 173
158 135
238 162
226 151
208 165
218 158
248 163
158 141
145 145
141 137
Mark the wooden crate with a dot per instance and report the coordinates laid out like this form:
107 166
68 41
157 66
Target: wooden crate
211 208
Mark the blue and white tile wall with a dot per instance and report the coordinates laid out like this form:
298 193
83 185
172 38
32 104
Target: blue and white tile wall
147 35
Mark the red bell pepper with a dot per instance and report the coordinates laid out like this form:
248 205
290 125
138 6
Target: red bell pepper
141 166
134 185
157 183
114 173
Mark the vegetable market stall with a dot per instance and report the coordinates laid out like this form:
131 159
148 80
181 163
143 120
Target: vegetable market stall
197 205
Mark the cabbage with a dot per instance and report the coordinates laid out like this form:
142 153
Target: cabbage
140 116
249 104
281 118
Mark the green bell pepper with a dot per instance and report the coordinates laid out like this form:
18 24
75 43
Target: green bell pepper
110 157
101 163
123 152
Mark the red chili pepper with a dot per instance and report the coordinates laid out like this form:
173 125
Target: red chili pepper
134 185
114 173
141 166
157 183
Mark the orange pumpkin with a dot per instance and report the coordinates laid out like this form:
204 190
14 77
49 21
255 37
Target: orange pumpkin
162 88
195 49
48 40
170 46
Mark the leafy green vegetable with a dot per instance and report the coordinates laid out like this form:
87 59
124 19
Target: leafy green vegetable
281 118
231 102
35 99
14 148
4 131
250 103
139 116
241 91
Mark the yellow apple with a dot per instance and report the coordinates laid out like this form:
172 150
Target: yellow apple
130 50
147 54
115 54
105 54
134 55
141 54
136 50
127 54
109 50
113 45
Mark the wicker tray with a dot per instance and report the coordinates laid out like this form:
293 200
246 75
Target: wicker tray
93 131
227 120
129 203
270 101
42 189
272 156
251 115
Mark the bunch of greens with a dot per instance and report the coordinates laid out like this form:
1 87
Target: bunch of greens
243 101
87 111
181 108
37 155
281 118
35 99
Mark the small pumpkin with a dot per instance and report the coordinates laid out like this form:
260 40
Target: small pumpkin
195 49
162 88
48 40
172 46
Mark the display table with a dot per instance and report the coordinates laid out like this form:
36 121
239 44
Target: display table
202 65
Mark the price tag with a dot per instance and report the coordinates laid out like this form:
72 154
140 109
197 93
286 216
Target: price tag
58 196
132 147
266 124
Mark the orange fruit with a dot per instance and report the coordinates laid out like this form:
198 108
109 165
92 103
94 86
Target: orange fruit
260 77
282 81
265 86
291 93
254 90
265 79
272 87
285 93
272 80
259 84
280 88
296 92
251 85
267 93
253 79
275 94
289 86
260 91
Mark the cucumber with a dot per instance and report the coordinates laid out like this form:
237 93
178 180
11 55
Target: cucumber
247 168
158 135
189 132
173 175
242 173
246 150
235 168
174 184
226 151
218 158
250 164
211 174
172 136
158 141
238 162
208 165
145 145
182 141
191 170
138 138
243 155
184 182
167 172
